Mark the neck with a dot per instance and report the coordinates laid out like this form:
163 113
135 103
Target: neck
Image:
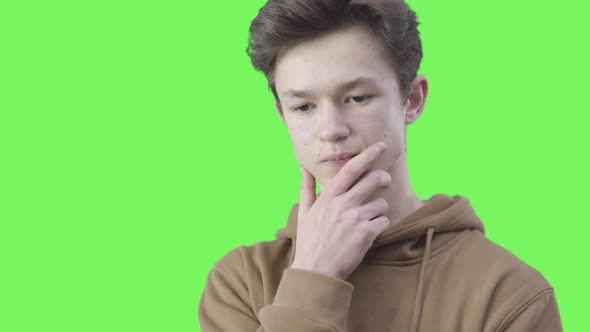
400 197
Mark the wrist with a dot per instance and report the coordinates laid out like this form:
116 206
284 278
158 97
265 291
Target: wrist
309 267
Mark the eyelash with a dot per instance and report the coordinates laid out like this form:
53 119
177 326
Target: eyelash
297 108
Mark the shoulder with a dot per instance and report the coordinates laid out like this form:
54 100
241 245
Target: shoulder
501 281
498 263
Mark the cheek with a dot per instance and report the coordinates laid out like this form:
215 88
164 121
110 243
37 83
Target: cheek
372 129
302 137
301 134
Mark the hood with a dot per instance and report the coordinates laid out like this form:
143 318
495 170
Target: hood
422 233
448 215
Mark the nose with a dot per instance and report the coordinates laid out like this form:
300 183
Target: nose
332 124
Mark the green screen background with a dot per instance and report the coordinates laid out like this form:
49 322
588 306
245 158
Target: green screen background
138 146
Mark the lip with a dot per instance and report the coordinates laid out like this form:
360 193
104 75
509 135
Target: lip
340 157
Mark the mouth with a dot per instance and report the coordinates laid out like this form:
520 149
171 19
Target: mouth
340 156
340 161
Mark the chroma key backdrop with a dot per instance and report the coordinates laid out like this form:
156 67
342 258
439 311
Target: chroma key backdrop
138 146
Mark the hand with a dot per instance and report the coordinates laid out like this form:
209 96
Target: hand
335 230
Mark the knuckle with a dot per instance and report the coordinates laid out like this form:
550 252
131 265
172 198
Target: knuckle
376 178
378 172
388 176
384 178
355 214
377 225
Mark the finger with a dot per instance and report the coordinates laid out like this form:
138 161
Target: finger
379 225
373 209
354 168
307 194
367 185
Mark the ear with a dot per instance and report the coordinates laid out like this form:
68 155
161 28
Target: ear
279 110
416 99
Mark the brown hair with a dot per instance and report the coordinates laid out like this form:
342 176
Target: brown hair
283 22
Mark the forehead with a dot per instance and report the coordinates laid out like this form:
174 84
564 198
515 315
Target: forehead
331 59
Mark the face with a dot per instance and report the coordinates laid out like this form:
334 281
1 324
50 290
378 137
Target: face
325 115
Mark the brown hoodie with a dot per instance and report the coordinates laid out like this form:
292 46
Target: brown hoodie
435 271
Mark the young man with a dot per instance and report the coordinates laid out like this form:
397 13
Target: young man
366 254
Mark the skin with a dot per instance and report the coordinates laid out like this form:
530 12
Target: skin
330 121
335 231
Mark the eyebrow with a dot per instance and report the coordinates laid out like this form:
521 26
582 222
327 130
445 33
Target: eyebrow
341 86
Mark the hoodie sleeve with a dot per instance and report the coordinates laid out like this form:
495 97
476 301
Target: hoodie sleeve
538 314
304 301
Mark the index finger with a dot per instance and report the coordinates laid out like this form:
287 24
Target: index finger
354 168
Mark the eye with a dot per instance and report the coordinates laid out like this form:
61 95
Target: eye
299 108
356 98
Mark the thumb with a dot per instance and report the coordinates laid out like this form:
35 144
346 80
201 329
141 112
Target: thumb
307 194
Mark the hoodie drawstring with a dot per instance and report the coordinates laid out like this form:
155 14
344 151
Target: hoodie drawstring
418 302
